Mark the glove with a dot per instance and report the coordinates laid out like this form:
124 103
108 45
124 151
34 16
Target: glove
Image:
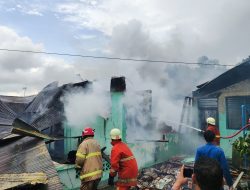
111 180
78 172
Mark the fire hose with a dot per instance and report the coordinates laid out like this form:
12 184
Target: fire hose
233 135
226 137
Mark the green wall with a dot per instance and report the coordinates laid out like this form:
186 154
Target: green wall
146 154
226 144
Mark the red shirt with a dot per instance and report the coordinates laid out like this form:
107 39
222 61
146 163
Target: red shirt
124 163
216 131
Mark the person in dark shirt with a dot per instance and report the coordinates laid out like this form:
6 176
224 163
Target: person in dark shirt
207 175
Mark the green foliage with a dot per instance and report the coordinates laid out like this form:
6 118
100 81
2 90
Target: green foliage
242 145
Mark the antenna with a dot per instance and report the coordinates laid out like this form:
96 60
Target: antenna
79 75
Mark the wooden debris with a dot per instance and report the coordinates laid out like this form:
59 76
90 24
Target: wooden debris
14 180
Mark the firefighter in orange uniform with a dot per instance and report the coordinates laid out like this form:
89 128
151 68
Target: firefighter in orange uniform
89 161
211 126
123 162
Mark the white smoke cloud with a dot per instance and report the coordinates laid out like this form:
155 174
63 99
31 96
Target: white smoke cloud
169 83
217 29
82 107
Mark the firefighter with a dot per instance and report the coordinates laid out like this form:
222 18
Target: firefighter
123 162
89 161
211 126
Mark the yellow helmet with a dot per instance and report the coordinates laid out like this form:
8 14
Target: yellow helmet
115 134
211 120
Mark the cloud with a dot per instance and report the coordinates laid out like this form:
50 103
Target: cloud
26 69
217 29
159 30
12 61
36 8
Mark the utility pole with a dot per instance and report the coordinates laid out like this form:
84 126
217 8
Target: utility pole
24 90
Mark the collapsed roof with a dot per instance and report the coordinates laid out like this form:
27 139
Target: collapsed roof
23 153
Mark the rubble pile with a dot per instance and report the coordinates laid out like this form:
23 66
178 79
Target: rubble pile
161 176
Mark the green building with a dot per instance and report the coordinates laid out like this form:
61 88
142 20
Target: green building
146 152
227 99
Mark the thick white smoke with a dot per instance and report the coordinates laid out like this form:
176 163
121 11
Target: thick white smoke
82 107
168 83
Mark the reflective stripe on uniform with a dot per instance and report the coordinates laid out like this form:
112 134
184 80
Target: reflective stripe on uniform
81 155
90 174
93 154
128 158
77 166
88 155
128 180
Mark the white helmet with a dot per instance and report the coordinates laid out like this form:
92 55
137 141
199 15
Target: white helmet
211 120
115 134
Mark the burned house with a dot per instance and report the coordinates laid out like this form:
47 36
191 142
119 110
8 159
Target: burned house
25 158
227 99
36 139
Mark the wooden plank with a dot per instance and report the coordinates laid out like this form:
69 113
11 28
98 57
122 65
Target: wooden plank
14 180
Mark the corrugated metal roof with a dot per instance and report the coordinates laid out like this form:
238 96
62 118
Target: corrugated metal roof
16 103
17 99
6 118
50 118
8 181
6 112
41 103
16 107
5 130
29 155
237 74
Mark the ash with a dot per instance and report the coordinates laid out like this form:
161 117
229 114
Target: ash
161 176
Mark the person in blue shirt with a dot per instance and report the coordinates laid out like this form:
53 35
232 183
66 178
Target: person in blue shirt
212 151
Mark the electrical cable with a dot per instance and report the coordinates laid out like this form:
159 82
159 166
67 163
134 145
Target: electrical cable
112 58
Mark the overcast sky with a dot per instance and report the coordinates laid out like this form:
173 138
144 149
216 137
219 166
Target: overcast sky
177 30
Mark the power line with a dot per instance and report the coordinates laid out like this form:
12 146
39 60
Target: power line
111 58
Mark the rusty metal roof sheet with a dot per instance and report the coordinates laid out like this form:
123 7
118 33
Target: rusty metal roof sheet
24 129
28 155
8 181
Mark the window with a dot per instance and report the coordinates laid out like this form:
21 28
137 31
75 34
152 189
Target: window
207 108
233 110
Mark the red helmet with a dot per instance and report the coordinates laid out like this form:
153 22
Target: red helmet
88 132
